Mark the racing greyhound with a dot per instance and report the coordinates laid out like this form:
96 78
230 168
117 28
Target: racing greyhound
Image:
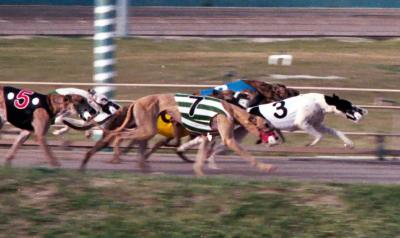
34 112
200 115
243 93
103 106
307 111
304 112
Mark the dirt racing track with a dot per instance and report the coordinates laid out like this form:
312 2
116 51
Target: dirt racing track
347 169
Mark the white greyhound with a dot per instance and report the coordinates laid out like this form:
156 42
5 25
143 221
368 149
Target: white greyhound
307 112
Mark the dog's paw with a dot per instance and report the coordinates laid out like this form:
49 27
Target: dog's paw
114 161
266 167
198 170
349 145
55 163
7 163
213 165
144 167
56 133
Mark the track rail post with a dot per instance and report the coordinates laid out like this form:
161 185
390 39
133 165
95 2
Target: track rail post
104 47
380 147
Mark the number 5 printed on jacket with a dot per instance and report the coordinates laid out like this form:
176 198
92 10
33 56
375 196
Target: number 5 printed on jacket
21 103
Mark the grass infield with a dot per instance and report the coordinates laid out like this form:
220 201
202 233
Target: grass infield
59 203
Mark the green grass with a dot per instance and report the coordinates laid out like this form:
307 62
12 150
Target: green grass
58 203
370 64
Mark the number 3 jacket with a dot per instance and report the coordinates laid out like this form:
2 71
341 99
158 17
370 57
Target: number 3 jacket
282 114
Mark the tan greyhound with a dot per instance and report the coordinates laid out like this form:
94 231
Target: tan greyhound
198 114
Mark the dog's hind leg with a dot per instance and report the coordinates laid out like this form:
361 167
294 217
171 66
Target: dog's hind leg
41 123
193 142
117 151
142 155
347 142
156 146
98 146
225 128
22 137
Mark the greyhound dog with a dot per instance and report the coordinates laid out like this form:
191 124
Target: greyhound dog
243 93
307 111
304 112
198 114
34 112
103 106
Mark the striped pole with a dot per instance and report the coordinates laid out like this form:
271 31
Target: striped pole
104 47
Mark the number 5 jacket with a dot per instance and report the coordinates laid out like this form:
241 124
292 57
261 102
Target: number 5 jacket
20 105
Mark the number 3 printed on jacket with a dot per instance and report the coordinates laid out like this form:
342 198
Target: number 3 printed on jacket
22 100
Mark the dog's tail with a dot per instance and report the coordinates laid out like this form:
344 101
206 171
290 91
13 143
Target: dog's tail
128 118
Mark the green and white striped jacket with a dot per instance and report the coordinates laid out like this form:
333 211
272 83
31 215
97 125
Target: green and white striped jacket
198 111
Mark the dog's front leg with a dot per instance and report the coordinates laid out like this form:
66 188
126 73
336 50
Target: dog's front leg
311 131
201 156
225 129
22 137
347 142
64 129
239 134
61 131
41 123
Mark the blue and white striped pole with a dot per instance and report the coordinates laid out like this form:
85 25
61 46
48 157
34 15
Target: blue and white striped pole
104 47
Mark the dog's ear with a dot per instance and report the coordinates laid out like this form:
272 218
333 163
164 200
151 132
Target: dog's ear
329 100
67 98
335 97
57 99
92 91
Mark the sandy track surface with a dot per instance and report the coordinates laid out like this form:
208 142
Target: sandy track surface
296 169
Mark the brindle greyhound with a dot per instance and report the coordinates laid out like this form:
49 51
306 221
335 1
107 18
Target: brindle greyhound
103 106
201 114
34 112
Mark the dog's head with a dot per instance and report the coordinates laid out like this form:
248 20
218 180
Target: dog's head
245 98
226 95
105 104
281 92
346 108
79 105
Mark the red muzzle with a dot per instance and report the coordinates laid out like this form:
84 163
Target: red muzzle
270 137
